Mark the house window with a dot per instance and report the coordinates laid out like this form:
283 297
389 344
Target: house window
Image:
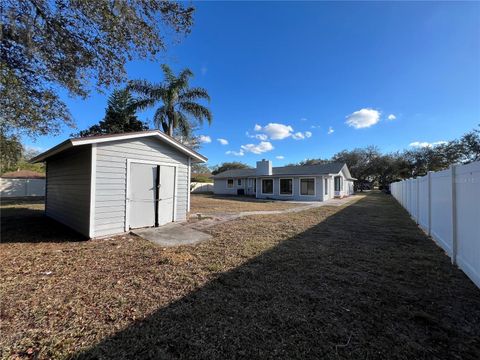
286 186
307 186
338 183
267 186
229 183
239 182
326 186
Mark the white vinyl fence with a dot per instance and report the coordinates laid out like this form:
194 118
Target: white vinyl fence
197 187
446 205
22 187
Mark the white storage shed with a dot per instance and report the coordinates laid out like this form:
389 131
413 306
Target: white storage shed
108 184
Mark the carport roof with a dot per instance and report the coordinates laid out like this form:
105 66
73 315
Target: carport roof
320 169
113 137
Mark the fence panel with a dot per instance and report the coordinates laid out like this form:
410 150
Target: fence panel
423 205
197 188
447 205
467 191
22 187
441 226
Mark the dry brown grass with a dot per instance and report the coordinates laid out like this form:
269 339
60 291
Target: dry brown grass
349 282
211 204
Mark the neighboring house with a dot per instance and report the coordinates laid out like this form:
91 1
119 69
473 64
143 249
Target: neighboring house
104 185
308 183
22 183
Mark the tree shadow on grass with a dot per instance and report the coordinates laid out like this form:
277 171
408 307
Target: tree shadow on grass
364 283
30 225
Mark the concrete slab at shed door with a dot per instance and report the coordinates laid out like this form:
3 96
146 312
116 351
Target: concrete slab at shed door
143 180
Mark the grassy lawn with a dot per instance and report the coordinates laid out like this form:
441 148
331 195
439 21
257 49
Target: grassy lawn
354 282
211 204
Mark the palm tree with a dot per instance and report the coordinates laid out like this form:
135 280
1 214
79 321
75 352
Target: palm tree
178 101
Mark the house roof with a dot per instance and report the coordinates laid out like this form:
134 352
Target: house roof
114 137
320 169
23 174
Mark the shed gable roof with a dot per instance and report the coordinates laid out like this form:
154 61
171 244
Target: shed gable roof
114 137
320 169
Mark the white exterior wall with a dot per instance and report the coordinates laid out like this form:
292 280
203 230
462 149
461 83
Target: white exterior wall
110 179
446 204
68 188
21 187
220 186
295 189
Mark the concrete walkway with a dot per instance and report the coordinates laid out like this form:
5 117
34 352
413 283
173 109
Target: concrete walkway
172 234
208 220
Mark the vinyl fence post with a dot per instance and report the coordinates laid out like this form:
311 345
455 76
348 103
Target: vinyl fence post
454 216
429 202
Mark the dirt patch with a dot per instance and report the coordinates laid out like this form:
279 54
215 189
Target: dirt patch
353 282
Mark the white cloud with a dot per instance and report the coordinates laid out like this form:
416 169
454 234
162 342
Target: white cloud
301 136
423 144
262 137
298 136
330 130
222 141
303 119
363 118
315 127
205 139
235 153
279 157
275 131
262 147
391 117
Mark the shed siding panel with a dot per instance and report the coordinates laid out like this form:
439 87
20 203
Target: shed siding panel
68 188
111 179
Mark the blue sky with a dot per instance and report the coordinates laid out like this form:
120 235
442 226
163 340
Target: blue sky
287 73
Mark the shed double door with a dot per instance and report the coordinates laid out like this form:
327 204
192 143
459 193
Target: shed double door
151 195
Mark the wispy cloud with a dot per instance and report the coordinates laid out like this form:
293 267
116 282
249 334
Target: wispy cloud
330 130
204 70
222 141
391 117
423 144
235 153
300 136
279 157
205 139
303 119
363 118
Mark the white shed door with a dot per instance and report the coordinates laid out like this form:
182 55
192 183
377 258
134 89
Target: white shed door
143 180
166 195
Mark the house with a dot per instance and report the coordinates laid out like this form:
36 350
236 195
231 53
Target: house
108 184
310 182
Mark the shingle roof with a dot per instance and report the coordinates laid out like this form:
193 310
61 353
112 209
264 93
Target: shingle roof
320 169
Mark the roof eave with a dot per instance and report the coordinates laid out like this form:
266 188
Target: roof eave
196 157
